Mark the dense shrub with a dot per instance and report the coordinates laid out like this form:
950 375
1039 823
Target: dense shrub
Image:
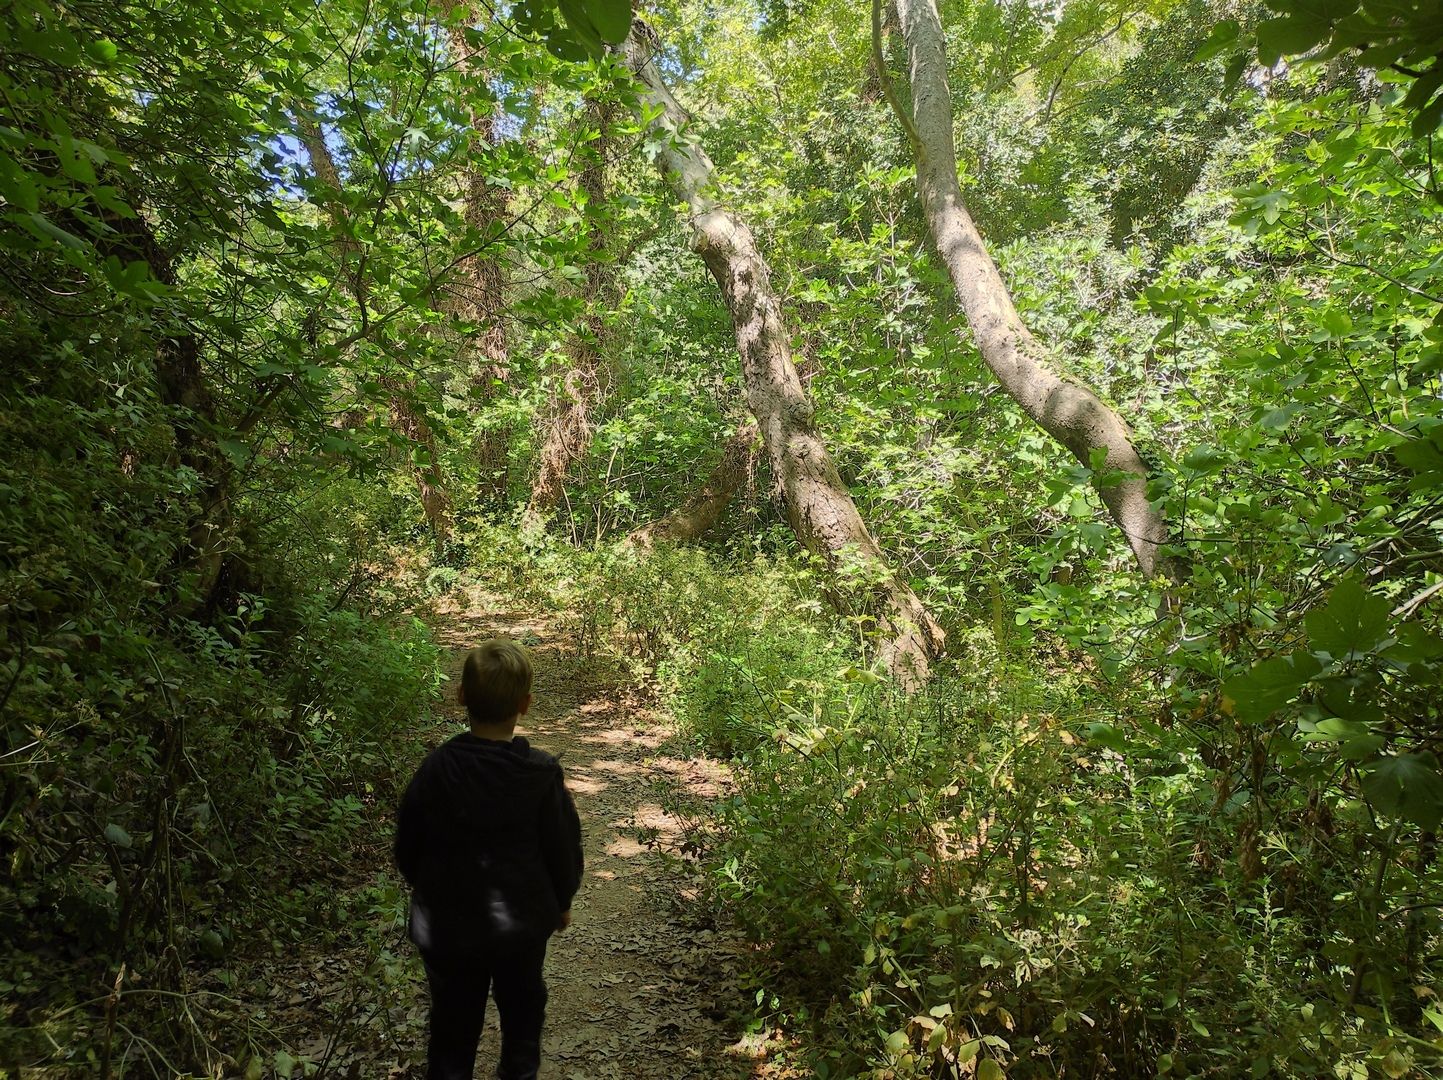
979 874
173 773
1023 870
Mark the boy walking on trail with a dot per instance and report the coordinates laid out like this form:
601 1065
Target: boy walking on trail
488 838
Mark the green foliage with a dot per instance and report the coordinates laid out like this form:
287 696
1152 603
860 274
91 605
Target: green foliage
1393 37
1023 865
1317 500
1121 832
585 27
172 784
993 871
202 683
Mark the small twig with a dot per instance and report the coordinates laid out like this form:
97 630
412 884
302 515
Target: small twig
112 1007
1407 608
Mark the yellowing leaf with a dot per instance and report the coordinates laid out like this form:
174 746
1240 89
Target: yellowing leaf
1396 1064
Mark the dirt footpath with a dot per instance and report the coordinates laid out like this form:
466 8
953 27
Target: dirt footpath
642 986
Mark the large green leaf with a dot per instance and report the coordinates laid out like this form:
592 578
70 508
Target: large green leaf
1289 36
1423 456
1352 621
1329 10
1407 786
612 19
1223 36
578 23
1265 688
1415 645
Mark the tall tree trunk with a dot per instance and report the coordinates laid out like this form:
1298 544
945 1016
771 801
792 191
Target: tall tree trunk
404 418
568 427
703 508
819 507
476 294
1068 411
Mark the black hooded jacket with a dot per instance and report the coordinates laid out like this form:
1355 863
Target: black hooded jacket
488 838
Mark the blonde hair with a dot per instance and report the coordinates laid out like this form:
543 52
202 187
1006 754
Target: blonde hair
495 680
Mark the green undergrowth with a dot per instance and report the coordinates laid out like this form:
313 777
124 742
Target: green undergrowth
1028 869
184 785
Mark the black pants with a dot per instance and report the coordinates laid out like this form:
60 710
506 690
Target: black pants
459 985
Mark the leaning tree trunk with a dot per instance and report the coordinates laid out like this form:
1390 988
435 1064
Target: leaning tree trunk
476 294
404 417
568 429
703 508
1066 410
819 507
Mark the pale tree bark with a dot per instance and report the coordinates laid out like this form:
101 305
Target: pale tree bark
404 418
1068 411
704 507
568 428
819 506
475 295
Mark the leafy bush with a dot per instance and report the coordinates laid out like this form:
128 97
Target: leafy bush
979 875
173 773
1023 868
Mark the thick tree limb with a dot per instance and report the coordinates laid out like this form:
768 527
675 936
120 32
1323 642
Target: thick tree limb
696 517
819 506
1068 411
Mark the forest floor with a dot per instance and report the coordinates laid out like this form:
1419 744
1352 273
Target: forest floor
644 985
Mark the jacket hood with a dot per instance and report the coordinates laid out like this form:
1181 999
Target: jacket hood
507 771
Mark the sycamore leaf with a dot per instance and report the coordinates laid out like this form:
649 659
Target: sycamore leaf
1328 10
1352 621
1222 36
1407 786
1265 688
1204 459
1423 456
1289 36
580 27
612 18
